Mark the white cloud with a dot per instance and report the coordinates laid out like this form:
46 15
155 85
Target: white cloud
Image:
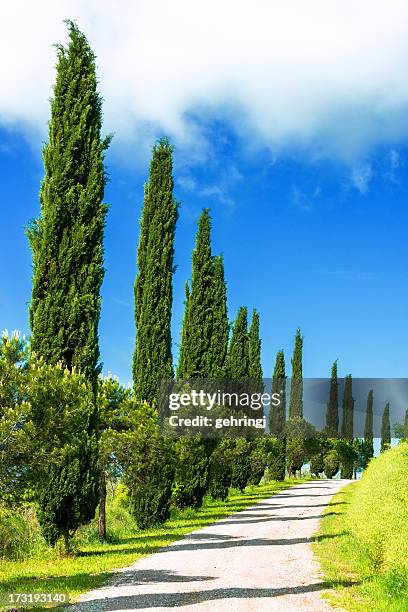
361 177
327 77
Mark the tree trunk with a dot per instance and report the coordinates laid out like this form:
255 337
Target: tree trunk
102 508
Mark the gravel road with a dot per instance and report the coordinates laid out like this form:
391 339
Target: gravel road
257 559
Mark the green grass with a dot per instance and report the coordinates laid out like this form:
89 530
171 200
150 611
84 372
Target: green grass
363 539
90 566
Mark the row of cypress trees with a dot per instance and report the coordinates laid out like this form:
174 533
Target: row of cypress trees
67 249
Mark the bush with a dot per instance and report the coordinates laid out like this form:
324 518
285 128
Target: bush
20 534
241 464
331 463
276 459
258 460
317 464
220 470
191 472
378 513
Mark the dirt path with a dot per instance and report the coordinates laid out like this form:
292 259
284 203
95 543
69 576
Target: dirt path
257 559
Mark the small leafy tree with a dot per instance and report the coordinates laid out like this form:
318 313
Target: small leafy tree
220 469
191 478
148 462
241 464
386 429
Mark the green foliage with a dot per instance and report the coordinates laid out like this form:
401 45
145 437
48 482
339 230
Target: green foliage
152 361
348 456
300 443
332 413
241 464
254 349
220 469
386 429
331 462
258 460
276 458
67 239
237 364
296 387
317 464
15 440
348 409
191 478
401 429
368 430
277 414
377 514
148 462
20 535
220 327
195 355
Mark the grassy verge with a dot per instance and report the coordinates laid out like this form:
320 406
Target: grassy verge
90 567
345 561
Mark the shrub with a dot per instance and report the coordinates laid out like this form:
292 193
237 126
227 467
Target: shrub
378 512
220 470
258 460
20 534
331 463
191 472
241 464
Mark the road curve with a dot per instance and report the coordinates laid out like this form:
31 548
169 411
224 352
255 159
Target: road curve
257 559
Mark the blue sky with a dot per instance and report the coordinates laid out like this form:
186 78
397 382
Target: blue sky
290 122
301 242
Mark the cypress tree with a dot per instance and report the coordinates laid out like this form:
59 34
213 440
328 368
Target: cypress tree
277 418
277 414
183 355
332 413
67 248
67 239
348 409
237 363
153 290
198 321
386 429
296 387
254 348
368 430
220 328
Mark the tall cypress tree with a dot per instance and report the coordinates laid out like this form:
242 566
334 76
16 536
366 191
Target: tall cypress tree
348 409
220 328
386 429
296 387
198 325
152 359
332 413
184 346
67 248
277 418
368 430
254 348
237 363
67 239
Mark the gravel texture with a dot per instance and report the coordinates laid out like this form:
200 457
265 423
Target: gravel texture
257 559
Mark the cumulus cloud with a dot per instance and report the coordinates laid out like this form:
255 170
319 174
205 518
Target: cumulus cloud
323 77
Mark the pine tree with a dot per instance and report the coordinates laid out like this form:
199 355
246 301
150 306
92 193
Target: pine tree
67 239
386 429
348 409
152 361
197 329
237 363
220 328
277 417
296 387
332 413
67 249
368 430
